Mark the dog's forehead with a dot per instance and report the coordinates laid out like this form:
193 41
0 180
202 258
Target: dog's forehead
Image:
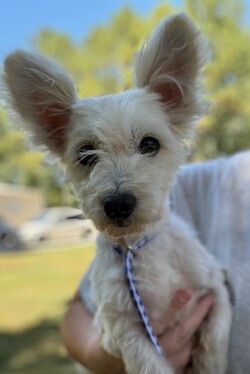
126 115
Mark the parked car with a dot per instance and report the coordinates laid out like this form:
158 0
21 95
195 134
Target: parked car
57 224
9 238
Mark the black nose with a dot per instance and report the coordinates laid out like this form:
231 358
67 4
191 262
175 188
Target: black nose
119 206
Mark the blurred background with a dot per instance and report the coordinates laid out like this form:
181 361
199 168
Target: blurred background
46 244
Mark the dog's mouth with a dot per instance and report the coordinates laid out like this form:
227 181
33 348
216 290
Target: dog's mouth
119 228
119 223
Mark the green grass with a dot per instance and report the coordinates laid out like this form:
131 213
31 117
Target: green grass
35 287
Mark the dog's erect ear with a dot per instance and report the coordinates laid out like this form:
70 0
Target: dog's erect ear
169 63
42 94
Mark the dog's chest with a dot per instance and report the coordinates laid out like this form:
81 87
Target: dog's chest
157 280
155 277
169 263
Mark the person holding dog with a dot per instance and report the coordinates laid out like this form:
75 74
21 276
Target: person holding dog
214 198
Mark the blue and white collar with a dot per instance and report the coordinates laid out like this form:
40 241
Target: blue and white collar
134 247
130 252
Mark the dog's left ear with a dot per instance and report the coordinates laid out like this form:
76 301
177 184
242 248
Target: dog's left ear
169 63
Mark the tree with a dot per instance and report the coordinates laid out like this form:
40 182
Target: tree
102 64
226 129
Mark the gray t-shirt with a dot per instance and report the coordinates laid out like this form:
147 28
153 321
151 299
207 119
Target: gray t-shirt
213 197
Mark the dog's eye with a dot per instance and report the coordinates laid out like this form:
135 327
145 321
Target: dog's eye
149 145
86 155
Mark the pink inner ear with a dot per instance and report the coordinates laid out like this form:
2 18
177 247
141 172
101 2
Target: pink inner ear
54 120
170 93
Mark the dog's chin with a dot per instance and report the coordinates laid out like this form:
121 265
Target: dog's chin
119 232
121 228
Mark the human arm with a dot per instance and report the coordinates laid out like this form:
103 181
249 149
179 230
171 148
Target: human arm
83 342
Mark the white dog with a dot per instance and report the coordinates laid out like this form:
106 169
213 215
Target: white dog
122 152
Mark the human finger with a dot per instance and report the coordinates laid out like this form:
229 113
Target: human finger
181 297
181 359
190 325
175 338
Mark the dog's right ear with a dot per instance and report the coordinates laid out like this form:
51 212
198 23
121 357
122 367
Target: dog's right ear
169 64
41 93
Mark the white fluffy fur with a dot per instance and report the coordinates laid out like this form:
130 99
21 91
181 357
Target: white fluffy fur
164 105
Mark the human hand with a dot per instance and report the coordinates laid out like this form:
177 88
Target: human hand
83 341
178 342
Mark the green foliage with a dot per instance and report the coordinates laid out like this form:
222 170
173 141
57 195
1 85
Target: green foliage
102 63
226 129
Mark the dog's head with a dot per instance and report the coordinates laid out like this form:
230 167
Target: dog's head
121 151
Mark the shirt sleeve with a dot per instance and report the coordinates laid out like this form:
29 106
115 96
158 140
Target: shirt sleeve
85 292
195 194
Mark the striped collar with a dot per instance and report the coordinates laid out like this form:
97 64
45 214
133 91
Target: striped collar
134 247
130 252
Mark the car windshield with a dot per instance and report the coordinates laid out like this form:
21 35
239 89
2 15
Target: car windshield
40 217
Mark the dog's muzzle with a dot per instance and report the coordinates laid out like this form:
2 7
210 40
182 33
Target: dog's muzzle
119 206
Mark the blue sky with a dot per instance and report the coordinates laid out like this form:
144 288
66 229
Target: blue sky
20 20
